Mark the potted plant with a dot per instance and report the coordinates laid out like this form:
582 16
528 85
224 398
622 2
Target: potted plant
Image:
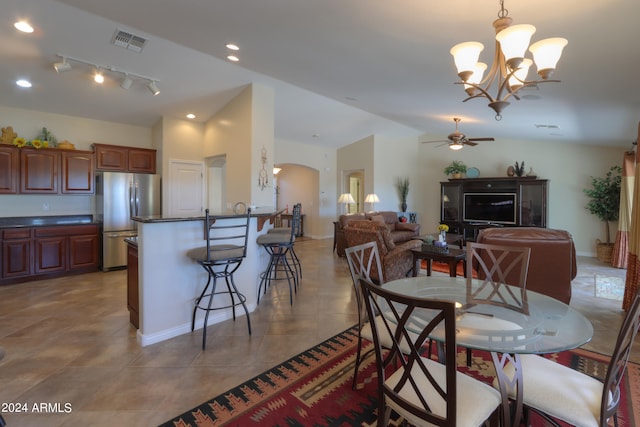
403 192
455 169
604 203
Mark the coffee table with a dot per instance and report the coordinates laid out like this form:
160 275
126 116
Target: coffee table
452 258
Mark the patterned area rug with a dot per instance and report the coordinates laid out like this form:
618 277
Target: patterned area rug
314 389
609 287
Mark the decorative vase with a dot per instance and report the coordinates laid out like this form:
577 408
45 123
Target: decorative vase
404 206
443 234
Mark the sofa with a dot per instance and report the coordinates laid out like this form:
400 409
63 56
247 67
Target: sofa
396 258
399 231
552 265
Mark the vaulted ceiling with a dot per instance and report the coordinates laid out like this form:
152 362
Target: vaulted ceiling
341 69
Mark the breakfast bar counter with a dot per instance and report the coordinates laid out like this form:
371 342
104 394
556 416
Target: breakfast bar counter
169 281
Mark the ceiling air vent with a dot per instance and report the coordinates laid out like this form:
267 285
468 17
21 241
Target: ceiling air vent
128 41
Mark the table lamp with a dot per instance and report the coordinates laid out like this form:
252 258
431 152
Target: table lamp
373 199
347 199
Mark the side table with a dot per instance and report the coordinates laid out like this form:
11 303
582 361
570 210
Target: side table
451 258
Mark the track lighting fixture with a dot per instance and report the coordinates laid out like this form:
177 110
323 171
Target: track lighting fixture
126 82
63 66
153 88
128 79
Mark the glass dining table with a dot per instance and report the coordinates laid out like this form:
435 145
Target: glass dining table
545 326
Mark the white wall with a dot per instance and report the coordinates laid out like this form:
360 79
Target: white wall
319 218
568 168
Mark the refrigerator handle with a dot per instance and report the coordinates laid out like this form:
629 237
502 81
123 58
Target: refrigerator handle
131 201
137 199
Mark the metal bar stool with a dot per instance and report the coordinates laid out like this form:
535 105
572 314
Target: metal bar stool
221 261
294 226
279 246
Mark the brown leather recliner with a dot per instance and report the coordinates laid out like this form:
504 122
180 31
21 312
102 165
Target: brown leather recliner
552 265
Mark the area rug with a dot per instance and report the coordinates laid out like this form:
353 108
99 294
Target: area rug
314 389
443 267
609 287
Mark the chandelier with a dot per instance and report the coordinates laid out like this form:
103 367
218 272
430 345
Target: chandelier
510 68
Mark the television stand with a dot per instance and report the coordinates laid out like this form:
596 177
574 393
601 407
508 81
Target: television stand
527 195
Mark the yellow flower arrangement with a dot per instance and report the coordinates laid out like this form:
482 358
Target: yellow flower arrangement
443 227
36 143
19 142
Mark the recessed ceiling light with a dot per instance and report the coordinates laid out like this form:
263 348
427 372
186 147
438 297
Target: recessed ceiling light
23 26
191 116
233 58
232 46
23 83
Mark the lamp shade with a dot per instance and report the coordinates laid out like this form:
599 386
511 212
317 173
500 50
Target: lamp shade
515 40
465 55
546 53
346 198
371 198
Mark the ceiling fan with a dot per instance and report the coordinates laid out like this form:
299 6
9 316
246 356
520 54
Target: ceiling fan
457 140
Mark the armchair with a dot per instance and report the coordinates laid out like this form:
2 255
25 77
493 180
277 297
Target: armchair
396 258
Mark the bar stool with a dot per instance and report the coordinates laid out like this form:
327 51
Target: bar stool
294 226
279 245
221 261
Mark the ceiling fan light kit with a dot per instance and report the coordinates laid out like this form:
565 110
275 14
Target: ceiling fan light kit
510 67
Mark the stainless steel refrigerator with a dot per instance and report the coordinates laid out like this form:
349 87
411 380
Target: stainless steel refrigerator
120 197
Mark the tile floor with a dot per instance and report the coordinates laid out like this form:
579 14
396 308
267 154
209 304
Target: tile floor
68 340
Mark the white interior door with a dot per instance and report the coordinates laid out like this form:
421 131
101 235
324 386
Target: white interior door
185 188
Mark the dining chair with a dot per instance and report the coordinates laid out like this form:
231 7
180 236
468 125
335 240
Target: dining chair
361 259
558 392
497 266
423 391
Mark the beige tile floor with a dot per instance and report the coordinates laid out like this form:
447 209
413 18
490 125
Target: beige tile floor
68 340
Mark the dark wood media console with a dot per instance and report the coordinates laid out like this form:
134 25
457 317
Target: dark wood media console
470 204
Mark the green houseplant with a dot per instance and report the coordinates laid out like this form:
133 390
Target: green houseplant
455 169
604 202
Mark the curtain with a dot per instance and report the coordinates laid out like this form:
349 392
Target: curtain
621 247
632 282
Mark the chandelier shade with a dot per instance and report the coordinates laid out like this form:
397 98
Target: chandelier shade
510 66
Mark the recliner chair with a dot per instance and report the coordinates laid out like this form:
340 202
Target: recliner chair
552 265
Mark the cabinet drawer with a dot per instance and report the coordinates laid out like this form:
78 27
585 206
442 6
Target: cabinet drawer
66 230
16 233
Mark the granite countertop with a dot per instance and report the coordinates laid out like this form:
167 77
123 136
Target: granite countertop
255 213
41 221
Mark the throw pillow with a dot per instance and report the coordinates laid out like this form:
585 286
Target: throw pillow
377 218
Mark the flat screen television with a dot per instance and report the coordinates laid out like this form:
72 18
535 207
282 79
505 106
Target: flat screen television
498 208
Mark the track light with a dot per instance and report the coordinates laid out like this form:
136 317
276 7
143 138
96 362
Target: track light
126 82
98 77
153 88
63 66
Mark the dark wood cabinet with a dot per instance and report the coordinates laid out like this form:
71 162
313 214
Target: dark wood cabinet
78 172
16 253
132 284
39 171
118 158
470 204
9 168
142 160
31 253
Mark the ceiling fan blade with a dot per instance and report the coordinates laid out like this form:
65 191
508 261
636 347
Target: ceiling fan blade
438 140
481 139
469 142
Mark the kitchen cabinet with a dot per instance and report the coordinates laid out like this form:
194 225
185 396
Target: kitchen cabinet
9 168
132 284
39 171
31 253
78 172
16 253
117 158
